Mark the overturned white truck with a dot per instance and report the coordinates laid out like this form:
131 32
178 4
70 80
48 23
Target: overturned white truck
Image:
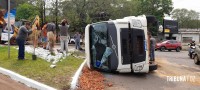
119 45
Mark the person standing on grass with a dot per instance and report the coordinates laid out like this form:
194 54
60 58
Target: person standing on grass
21 38
44 35
64 35
51 32
77 38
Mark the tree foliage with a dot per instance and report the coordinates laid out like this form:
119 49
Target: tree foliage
81 12
156 7
186 18
26 11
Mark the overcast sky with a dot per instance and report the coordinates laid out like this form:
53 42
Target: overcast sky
188 4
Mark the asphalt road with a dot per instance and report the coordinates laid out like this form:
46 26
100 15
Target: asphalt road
180 58
170 64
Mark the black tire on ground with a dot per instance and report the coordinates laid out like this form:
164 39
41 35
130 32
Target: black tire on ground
153 67
196 60
178 49
162 49
72 42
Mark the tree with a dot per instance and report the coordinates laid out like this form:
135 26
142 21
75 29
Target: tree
157 8
186 18
26 11
81 12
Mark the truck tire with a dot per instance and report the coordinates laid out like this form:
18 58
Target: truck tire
153 67
196 60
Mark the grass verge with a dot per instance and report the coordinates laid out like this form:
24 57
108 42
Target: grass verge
39 70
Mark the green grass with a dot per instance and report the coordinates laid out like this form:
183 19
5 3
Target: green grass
39 70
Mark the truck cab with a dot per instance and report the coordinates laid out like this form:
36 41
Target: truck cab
119 45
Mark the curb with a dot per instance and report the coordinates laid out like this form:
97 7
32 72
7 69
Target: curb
76 76
25 80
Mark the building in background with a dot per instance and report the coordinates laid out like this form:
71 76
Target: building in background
187 35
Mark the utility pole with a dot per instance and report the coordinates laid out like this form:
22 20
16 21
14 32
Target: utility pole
9 28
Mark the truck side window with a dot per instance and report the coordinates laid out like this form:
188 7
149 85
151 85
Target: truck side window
140 44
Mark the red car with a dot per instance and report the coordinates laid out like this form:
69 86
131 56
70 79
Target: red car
169 45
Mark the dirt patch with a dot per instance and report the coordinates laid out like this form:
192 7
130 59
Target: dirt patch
6 83
171 69
92 80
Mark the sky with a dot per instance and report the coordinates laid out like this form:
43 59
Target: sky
188 4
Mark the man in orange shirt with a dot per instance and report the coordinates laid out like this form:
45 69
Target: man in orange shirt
44 35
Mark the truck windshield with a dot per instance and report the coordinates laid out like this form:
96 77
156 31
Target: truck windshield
98 45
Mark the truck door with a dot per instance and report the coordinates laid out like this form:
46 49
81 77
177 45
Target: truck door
136 52
138 46
125 49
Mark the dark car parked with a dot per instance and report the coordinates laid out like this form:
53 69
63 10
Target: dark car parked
197 54
169 45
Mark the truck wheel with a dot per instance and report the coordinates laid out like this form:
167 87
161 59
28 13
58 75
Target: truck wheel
153 67
162 49
196 60
178 49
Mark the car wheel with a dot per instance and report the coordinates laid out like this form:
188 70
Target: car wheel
72 42
196 60
162 49
178 49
